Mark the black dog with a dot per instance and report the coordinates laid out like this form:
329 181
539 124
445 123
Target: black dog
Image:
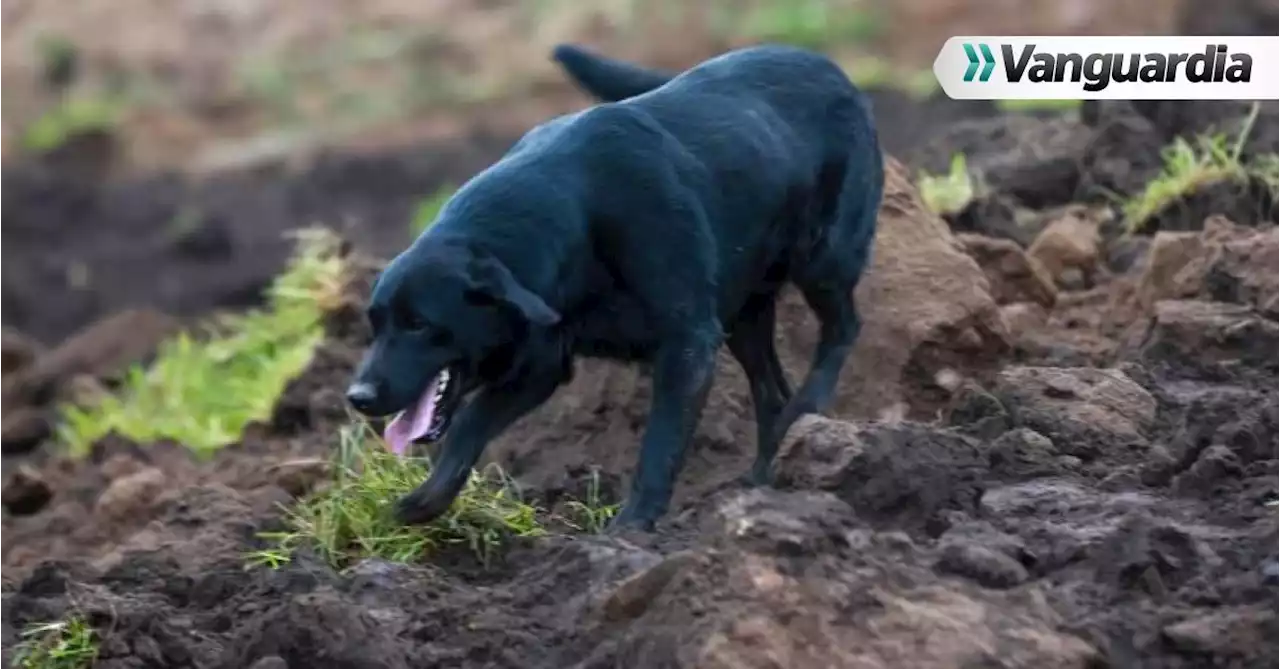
652 228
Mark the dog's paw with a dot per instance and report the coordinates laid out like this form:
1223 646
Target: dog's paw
419 509
628 521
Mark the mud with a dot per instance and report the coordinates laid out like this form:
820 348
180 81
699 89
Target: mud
1006 479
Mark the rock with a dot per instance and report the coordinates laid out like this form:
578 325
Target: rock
925 306
23 428
1142 555
1231 632
1013 275
1215 465
1207 340
270 662
25 492
130 494
1271 572
977 412
828 594
1023 454
1084 411
82 390
17 351
1023 317
101 350
633 595
1243 270
122 464
1224 262
904 475
1071 241
984 566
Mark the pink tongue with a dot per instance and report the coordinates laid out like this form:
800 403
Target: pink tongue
412 423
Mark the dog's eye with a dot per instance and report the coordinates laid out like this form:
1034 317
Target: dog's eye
441 338
415 322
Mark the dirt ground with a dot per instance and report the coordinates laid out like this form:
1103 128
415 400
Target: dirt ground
1021 470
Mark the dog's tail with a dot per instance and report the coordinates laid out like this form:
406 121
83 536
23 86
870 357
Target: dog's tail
607 79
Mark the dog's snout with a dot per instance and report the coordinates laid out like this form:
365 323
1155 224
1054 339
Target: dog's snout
362 396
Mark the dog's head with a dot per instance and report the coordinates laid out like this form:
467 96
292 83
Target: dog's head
437 312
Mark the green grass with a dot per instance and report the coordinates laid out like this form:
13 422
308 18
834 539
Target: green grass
591 514
1267 170
202 391
351 518
1192 165
951 192
1038 105
428 209
72 118
810 23
66 644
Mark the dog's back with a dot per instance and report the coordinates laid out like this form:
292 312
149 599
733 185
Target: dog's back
769 129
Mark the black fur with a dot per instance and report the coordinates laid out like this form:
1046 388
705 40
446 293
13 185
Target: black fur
654 227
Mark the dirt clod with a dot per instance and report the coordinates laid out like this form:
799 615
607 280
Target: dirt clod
25 491
23 428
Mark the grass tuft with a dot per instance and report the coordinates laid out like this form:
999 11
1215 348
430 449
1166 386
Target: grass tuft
428 209
951 192
591 514
1192 165
1267 170
351 518
66 644
202 391
1038 105
1188 166
814 24
72 118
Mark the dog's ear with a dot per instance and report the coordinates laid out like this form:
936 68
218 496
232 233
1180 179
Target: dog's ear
491 283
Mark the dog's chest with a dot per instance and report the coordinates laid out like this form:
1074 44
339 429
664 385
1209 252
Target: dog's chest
616 327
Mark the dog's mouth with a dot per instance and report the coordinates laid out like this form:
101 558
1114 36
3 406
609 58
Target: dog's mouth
427 419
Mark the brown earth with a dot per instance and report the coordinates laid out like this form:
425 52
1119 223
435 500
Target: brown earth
1006 480
1058 489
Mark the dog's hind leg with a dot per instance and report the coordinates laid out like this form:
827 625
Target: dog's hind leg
479 422
752 343
840 324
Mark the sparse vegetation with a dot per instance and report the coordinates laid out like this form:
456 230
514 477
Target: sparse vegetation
1038 105
951 192
591 514
1267 169
351 518
72 118
65 644
202 391
1190 165
809 23
428 209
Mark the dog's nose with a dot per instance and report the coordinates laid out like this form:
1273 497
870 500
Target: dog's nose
362 396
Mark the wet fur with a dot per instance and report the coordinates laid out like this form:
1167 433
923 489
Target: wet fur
652 228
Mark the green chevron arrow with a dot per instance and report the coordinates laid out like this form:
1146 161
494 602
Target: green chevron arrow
991 62
973 62
988 62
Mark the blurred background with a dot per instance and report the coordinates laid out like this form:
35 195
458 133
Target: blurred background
155 149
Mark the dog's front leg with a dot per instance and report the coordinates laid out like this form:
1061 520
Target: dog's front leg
682 375
491 412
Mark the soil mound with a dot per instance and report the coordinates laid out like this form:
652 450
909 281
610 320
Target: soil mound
1006 480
